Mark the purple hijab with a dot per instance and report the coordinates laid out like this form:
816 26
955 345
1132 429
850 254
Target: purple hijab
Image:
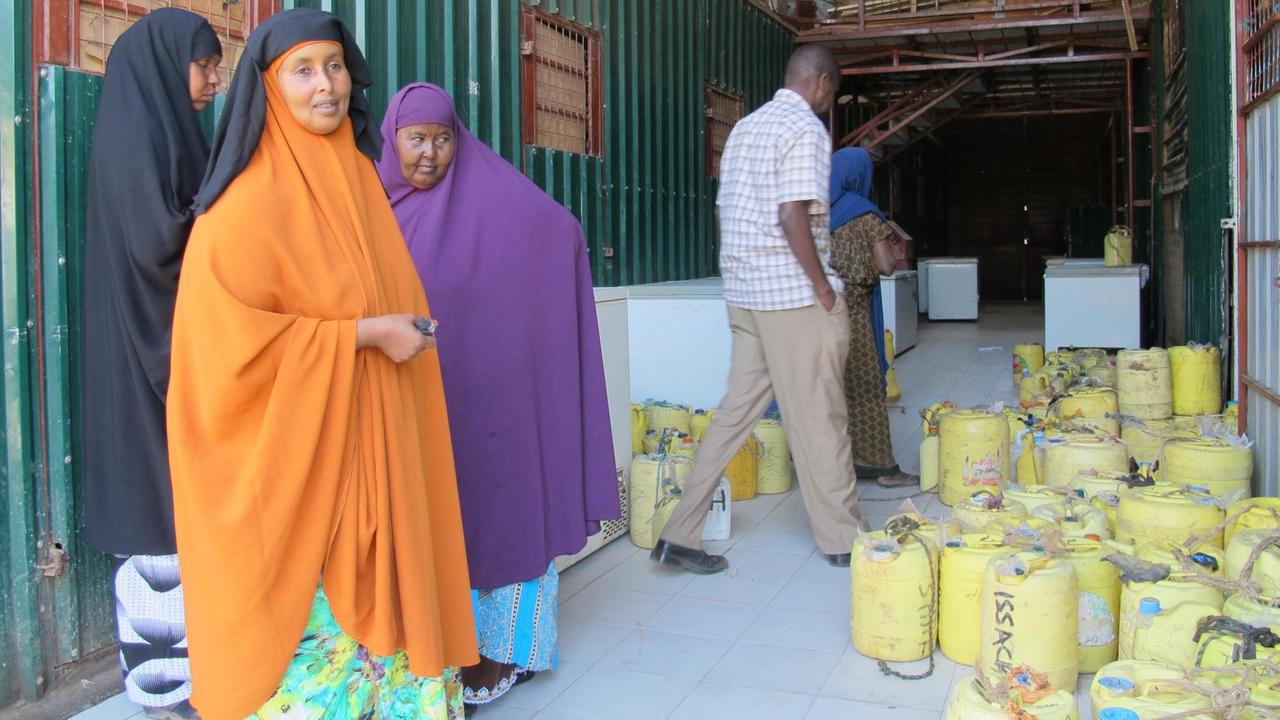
505 269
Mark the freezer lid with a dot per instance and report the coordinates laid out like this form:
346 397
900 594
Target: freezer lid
701 288
946 262
1064 272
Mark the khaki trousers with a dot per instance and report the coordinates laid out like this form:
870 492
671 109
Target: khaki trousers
799 356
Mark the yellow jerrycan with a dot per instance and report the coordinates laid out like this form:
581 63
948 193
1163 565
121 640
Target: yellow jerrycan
1087 402
1103 374
1166 634
1107 426
1076 519
639 428
668 416
1065 459
1252 612
1259 513
1144 383
1037 389
930 448
1034 497
1091 482
1027 691
1099 610
1128 679
1266 571
893 393
893 599
1107 502
1117 247
1197 379
1144 438
984 507
1215 464
1089 357
1030 468
743 471
964 563
973 453
1026 532
699 422
1165 513
656 484
1177 591
1225 641
1027 358
1030 616
774 469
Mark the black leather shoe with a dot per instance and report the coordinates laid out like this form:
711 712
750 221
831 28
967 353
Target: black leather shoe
840 560
697 561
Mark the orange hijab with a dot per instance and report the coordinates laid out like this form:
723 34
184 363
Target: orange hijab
294 455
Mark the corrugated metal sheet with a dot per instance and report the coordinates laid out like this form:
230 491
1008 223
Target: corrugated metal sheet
1209 171
647 203
1262 223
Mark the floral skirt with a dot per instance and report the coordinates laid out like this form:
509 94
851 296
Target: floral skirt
333 677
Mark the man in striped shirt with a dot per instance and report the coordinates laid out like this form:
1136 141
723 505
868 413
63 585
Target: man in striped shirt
786 313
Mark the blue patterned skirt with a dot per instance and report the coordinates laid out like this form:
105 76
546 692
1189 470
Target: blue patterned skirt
517 631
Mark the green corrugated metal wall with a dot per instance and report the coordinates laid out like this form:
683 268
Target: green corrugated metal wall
1209 157
647 199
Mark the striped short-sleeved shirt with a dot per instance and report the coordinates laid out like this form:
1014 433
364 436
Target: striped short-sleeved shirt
777 154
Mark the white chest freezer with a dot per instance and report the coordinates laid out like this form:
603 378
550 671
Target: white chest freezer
953 289
899 296
680 342
1093 306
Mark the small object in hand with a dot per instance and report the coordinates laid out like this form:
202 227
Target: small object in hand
426 326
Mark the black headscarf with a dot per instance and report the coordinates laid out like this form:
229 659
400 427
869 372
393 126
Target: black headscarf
148 157
245 112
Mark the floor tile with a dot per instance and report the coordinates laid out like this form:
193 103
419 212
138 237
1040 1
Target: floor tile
802 593
774 667
737 586
117 707
641 574
778 539
858 678
584 643
505 712
826 708
657 653
828 632
710 700
765 563
621 695
612 606
704 618
816 567
543 688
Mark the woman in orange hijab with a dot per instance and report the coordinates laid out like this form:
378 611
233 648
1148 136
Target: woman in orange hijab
308 438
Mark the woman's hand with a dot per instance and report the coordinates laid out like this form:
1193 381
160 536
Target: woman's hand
395 335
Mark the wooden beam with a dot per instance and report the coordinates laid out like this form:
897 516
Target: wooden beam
836 33
1128 25
1011 62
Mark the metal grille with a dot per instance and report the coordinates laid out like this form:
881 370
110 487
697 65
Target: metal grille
1174 153
1261 55
562 73
724 110
99 23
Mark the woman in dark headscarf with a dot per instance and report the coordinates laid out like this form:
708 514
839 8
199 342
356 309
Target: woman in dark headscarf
507 270
308 436
862 251
148 157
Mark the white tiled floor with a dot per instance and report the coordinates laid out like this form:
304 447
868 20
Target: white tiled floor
769 638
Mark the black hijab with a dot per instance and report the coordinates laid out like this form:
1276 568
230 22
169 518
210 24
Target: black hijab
148 156
245 112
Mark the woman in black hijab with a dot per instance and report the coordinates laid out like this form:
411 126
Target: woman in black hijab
149 155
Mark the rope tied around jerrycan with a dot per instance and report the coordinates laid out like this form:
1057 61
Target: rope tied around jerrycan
1243 585
1020 687
901 527
1251 636
1234 702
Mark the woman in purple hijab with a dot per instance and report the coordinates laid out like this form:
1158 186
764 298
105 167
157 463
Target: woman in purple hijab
505 268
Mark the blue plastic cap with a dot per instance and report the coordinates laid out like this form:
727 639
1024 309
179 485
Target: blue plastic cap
1114 713
1149 606
1116 684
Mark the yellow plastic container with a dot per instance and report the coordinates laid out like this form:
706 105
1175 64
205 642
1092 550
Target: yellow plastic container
665 415
1117 247
1092 426
1218 649
699 422
1163 513
892 391
1187 425
1174 592
1213 559
964 563
639 428
891 598
967 703
1076 520
983 508
929 450
683 445
774 469
1030 530
1103 373
1036 388
1207 462
1145 383
1266 571
1099 610
1166 633
1107 502
1030 616
1027 358
1197 379
1034 497
656 485
1257 515
1144 438
1030 472
1126 680
1065 459
743 471
1089 357
1239 607
1088 403
1089 483
973 454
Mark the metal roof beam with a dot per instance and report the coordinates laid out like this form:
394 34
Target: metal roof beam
1008 62
960 26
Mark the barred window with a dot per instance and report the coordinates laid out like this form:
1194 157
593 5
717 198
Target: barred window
562 107
723 110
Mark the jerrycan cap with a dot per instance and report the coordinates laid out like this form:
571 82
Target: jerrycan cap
1149 606
1115 713
1117 684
